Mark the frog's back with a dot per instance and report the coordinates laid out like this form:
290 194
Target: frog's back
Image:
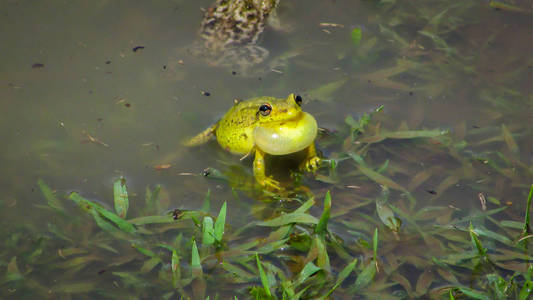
235 130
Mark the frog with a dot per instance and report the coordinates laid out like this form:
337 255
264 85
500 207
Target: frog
229 33
265 126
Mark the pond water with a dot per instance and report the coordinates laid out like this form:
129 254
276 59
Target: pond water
92 91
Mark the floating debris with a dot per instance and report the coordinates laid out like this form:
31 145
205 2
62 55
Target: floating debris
162 167
135 49
325 24
94 140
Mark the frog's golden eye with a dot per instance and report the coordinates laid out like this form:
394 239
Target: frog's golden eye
265 109
298 100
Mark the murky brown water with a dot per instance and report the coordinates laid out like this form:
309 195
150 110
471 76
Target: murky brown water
69 74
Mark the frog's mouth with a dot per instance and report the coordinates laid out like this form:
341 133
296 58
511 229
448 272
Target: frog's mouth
285 137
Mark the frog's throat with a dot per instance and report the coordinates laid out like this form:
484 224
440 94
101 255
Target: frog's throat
286 137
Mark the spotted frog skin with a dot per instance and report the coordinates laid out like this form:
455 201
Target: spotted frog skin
229 32
265 125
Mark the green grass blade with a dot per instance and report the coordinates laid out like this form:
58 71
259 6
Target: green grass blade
52 200
476 242
152 220
196 265
150 264
152 198
375 245
305 206
526 228
87 204
322 259
208 232
129 279
220 223
380 179
493 235
322 225
451 295
509 139
289 219
356 35
508 7
473 294
406 134
325 92
263 276
526 290
107 226
12 272
175 266
307 271
121 200
342 276
365 277
144 251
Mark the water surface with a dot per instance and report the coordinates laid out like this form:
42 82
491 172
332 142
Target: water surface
83 104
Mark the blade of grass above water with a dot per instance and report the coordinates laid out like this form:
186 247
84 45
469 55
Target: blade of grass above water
121 200
220 223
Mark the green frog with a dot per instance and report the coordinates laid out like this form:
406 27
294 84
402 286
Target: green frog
265 126
229 32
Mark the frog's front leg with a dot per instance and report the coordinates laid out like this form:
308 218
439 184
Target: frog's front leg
312 161
260 172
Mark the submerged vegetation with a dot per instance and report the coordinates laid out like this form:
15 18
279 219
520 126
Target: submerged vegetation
387 246
400 209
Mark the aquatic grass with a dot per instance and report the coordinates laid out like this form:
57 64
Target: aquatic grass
52 200
526 228
356 35
121 200
417 186
263 277
369 271
208 231
322 224
508 7
97 210
310 280
220 223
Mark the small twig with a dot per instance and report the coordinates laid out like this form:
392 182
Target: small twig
95 140
326 24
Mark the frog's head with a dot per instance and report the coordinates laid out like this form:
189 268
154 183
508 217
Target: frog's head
278 110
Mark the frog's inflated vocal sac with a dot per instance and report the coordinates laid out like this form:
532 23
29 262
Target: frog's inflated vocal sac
265 125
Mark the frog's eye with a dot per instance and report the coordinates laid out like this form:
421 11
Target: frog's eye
298 100
265 109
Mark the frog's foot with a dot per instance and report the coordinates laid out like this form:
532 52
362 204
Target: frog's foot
269 182
311 164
